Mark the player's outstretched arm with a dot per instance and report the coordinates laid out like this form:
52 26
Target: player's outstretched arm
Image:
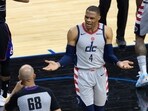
109 55
52 65
69 54
24 1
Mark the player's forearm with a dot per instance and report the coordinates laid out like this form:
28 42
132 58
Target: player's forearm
24 1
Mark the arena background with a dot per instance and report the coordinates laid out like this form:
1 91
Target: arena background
39 32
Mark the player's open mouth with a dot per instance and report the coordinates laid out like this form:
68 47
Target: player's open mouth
88 24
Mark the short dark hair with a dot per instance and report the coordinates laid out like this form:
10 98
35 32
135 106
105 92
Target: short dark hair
94 9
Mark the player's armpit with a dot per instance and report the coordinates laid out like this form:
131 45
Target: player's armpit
58 109
4 110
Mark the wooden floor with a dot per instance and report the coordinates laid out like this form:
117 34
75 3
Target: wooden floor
43 24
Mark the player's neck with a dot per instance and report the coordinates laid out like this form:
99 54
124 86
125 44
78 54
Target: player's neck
91 30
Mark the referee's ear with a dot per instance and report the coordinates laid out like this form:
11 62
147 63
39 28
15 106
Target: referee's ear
19 77
34 76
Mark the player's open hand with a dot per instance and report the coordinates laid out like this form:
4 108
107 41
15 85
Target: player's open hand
52 65
126 64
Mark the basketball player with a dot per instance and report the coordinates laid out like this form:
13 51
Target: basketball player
90 45
6 50
122 15
141 28
28 96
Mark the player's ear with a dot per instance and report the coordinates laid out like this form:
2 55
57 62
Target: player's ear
99 17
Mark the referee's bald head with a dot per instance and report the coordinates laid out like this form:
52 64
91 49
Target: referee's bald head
26 72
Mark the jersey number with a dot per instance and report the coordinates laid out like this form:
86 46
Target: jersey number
34 103
91 58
